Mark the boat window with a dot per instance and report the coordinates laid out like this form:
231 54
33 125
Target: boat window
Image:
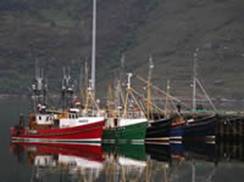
40 118
83 121
115 122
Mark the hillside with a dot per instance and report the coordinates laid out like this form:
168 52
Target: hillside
58 33
176 28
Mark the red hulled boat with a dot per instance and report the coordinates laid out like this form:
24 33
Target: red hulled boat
84 129
72 123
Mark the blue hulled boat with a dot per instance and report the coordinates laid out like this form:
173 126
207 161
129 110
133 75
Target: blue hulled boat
194 128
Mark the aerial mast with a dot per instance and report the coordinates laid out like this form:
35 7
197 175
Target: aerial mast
149 88
93 67
197 82
39 87
90 93
195 57
167 99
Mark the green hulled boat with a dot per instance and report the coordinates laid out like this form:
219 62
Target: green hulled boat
131 131
130 125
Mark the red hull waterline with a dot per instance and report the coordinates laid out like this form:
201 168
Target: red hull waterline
90 133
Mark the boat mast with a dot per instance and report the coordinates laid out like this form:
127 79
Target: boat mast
195 59
85 81
149 89
167 99
39 88
67 88
197 82
119 96
93 67
121 74
129 90
90 93
110 101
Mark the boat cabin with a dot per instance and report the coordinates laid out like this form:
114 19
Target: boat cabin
71 118
44 119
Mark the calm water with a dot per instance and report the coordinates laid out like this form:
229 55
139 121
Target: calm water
176 163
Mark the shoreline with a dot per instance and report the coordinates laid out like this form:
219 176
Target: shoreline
21 96
5 96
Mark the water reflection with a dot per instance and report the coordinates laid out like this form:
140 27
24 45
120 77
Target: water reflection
124 162
74 159
167 162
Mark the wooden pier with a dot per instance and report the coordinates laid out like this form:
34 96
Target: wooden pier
230 128
227 151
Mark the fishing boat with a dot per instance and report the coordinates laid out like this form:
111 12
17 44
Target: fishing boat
202 127
130 126
159 124
72 124
197 126
159 131
45 126
49 127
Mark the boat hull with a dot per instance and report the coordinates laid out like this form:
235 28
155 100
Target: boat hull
134 133
158 131
196 130
85 133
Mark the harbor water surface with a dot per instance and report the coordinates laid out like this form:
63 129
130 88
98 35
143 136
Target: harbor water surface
176 162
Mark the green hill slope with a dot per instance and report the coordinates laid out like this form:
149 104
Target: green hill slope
176 28
58 33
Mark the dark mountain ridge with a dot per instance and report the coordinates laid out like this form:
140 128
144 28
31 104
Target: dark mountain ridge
58 33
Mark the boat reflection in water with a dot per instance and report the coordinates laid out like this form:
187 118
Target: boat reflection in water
90 162
127 162
71 159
